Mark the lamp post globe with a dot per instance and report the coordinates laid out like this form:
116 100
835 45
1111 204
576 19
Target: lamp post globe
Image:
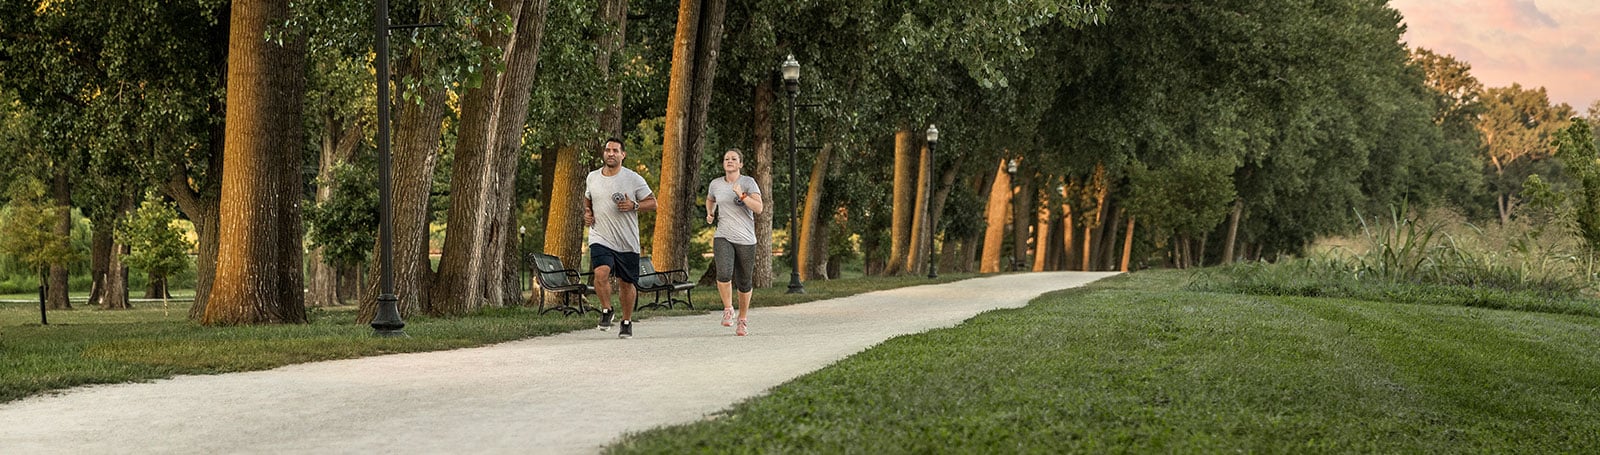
791 84
933 141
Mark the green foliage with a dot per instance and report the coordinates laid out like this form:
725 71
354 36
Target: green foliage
156 246
27 231
1575 146
346 225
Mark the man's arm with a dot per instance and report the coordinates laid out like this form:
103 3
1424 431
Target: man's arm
646 205
588 212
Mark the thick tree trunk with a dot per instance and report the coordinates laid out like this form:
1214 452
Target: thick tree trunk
1108 237
694 58
916 255
114 296
995 214
947 182
1068 247
1127 245
61 194
1021 217
259 275
563 235
666 247
1041 234
100 248
904 202
415 155
1233 230
812 245
472 270
761 119
199 199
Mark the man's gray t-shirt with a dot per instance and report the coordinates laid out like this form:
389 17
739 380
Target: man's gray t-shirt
615 229
735 221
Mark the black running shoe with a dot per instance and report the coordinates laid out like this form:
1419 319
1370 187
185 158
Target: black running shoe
605 319
627 329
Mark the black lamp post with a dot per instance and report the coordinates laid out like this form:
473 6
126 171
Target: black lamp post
791 83
933 140
387 322
522 279
1011 170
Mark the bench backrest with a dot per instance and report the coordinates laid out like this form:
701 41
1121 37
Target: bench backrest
551 272
647 276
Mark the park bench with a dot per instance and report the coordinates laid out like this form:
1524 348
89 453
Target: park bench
666 281
552 276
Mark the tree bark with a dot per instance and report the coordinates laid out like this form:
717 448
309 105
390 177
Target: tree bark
61 193
472 270
1021 215
114 296
904 203
697 42
100 248
813 242
1041 234
1127 245
995 214
415 155
916 257
1233 230
259 276
339 141
761 118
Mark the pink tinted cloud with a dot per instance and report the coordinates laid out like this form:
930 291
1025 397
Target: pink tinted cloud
1550 43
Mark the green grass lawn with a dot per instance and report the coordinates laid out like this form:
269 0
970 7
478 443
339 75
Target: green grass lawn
1138 364
151 341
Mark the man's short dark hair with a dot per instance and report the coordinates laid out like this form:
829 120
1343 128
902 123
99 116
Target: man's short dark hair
614 139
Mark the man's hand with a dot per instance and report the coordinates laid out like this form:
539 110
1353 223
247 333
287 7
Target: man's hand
588 217
626 205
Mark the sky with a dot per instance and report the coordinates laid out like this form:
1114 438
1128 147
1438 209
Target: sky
1553 44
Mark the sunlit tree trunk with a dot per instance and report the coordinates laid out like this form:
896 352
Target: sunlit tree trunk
995 214
694 54
904 200
1041 234
259 276
916 255
1127 245
813 242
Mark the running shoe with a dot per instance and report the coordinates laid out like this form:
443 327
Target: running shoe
605 319
627 329
727 317
741 331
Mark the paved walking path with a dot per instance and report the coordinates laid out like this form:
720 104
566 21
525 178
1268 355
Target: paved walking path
569 393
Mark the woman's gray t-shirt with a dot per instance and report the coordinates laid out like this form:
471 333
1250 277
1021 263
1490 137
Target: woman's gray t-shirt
615 229
735 221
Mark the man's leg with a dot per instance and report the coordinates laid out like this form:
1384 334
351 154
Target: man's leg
629 294
602 286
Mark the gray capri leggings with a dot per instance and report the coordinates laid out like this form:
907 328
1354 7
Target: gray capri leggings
735 263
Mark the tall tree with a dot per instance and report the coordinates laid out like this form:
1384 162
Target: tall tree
696 45
472 268
259 259
1517 126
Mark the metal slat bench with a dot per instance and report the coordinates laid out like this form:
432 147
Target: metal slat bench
668 282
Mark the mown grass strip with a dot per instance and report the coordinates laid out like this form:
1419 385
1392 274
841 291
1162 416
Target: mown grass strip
1139 364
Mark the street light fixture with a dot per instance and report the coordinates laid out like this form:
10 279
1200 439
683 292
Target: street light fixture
387 322
791 84
933 140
